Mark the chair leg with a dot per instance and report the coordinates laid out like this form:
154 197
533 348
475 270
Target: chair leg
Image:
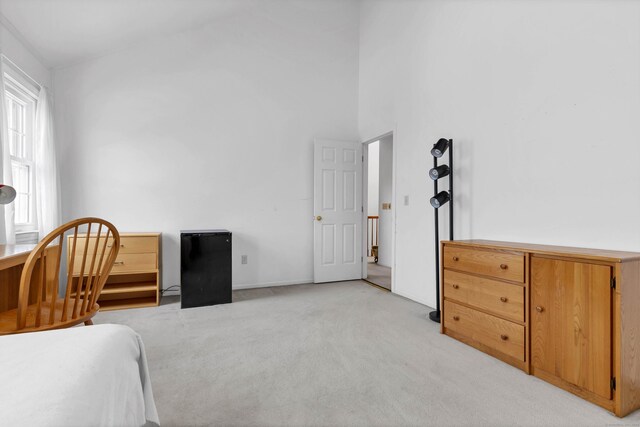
88 322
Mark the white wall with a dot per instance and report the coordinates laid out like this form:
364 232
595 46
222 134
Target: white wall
373 172
385 239
214 128
542 99
22 56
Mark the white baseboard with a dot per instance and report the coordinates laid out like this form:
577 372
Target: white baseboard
257 285
270 284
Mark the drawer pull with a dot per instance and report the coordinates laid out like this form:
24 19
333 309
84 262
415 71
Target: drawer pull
455 258
504 337
455 286
456 318
504 266
111 245
539 309
118 263
503 299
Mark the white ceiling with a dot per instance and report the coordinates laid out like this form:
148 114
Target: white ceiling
63 32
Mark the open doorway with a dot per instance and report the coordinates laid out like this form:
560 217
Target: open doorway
379 227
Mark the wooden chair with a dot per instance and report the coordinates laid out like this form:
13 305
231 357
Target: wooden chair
40 306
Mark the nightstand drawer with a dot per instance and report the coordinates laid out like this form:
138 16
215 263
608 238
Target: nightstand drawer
123 263
128 244
501 265
134 262
503 299
498 334
137 244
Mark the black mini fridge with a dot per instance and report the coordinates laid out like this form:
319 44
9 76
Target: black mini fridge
205 267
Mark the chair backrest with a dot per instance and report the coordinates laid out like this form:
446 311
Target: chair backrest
90 261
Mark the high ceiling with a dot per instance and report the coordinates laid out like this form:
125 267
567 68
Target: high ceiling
64 32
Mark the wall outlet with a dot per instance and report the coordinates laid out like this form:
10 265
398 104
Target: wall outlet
243 259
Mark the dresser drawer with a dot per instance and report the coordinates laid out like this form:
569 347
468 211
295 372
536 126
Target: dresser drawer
128 244
123 263
502 335
502 265
503 299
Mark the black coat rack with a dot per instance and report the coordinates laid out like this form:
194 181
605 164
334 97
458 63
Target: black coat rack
438 200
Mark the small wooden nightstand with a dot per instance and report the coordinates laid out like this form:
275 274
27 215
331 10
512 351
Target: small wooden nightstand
135 277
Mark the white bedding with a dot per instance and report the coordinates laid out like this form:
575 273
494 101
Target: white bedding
82 376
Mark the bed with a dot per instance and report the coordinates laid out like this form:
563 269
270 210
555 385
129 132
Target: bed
83 376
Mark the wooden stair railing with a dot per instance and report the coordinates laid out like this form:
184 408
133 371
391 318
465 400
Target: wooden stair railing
372 236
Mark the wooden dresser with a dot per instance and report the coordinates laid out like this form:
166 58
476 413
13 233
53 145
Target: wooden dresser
569 316
135 277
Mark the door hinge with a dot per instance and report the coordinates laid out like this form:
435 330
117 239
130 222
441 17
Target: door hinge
613 383
362 209
363 157
613 283
361 259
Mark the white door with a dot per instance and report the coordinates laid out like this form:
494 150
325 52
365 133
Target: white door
337 230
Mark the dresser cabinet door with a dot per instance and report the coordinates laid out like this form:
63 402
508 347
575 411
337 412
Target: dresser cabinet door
571 322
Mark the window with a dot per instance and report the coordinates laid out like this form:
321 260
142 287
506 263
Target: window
21 109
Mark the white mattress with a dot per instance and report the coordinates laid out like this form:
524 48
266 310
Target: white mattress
82 376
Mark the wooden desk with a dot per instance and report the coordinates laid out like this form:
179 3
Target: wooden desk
12 259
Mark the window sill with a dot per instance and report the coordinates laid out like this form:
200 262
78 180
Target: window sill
26 231
25 237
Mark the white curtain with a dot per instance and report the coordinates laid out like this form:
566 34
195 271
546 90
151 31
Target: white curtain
47 183
7 222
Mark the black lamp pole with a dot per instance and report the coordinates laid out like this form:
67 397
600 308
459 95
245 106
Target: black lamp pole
435 315
450 189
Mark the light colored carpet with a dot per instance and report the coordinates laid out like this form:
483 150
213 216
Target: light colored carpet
334 354
379 274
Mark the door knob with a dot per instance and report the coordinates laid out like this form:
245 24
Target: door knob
455 258
455 286
504 337
504 266
503 299
318 218
539 309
